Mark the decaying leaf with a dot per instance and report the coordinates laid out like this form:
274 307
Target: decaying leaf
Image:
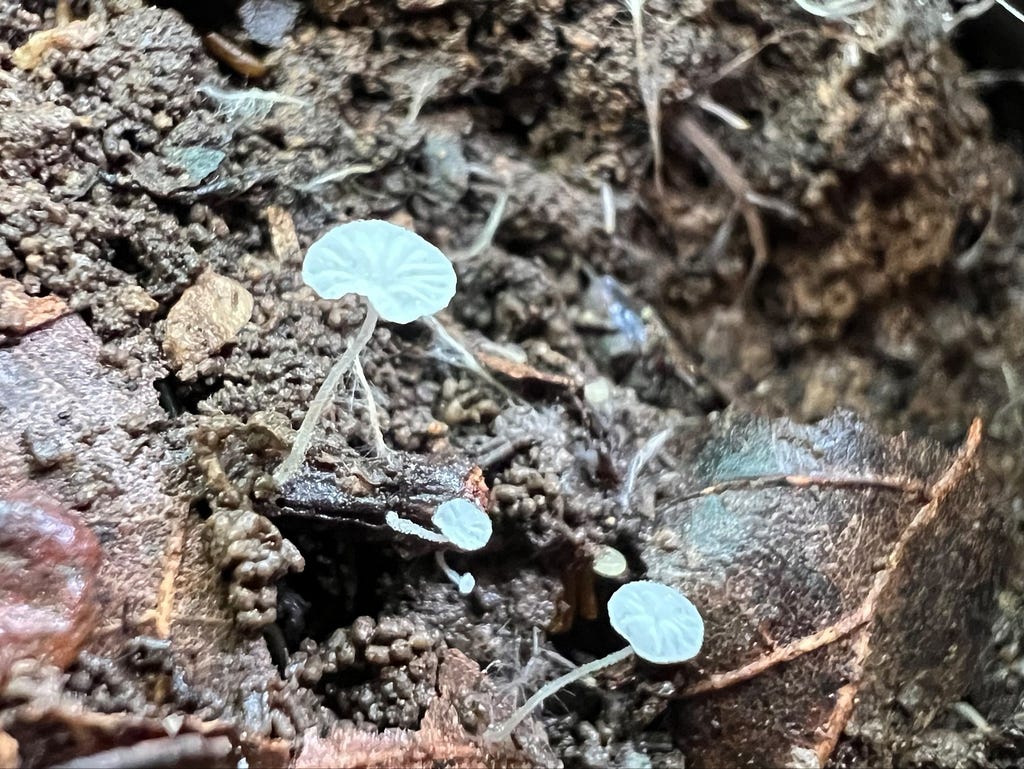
74 35
207 316
48 564
283 238
441 740
98 436
20 313
62 731
837 571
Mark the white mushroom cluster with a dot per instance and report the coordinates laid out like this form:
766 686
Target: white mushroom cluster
460 524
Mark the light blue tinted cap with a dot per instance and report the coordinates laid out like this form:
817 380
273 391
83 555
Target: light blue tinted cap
659 622
465 524
402 275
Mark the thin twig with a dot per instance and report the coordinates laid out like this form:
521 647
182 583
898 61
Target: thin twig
741 189
838 480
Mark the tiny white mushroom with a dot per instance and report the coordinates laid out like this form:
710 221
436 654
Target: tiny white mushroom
464 582
660 624
609 562
461 524
401 276
466 525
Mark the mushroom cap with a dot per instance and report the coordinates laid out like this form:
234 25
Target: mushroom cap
401 275
609 562
659 622
466 525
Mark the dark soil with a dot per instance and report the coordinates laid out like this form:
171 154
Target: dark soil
854 245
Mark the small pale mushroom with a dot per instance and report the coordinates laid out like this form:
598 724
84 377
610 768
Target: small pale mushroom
401 276
461 524
609 562
660 625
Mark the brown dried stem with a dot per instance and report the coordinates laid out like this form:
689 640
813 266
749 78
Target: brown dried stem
741 188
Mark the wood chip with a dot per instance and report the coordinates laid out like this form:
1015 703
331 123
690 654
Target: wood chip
75 35
207 316
283 238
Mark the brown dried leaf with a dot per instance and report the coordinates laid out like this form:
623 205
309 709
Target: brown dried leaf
441 740
97 434
207 316
59 731
74 35
20 312
834 567
283 238
48 564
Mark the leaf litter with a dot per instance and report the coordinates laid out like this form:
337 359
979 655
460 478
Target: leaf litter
812 573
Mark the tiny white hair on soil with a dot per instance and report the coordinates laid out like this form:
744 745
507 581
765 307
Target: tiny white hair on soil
835 11
248 104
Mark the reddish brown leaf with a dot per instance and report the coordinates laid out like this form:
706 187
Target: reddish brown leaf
97 433
48 563
20 313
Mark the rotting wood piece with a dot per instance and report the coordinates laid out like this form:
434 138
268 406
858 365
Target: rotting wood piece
360 497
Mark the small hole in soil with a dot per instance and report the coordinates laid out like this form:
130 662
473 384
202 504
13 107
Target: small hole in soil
995 42
177 397
339 583
205 17
122 257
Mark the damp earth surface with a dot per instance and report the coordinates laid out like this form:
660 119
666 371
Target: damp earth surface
740 309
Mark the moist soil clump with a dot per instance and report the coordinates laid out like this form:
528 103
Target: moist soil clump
739 296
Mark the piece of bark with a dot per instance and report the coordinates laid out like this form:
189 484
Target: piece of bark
413 488
836 570
20 313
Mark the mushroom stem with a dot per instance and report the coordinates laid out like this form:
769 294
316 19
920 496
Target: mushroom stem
464 582
379 447
413 529
324 395
504 730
